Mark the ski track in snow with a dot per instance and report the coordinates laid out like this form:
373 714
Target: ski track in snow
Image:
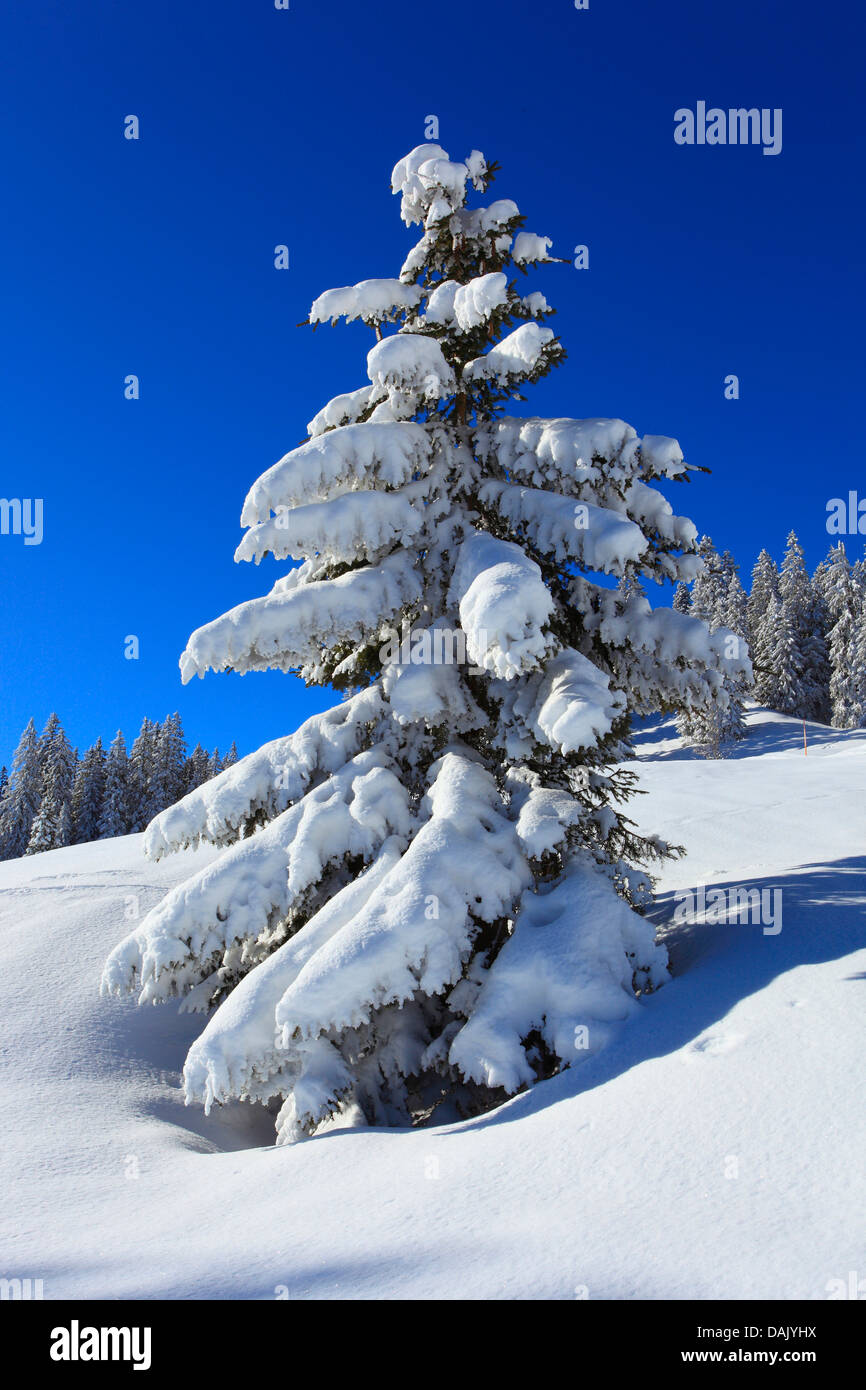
714 1149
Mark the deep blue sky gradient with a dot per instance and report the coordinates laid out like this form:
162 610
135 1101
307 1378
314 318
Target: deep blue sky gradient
261 127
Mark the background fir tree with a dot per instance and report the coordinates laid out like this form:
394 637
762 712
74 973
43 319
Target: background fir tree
682 601
819 628
22 797
116 816
214 764
52 825
712 727
843 590
145 791
4 787
196 768
785 657
88 792
801 646
425 890
765 585
172 746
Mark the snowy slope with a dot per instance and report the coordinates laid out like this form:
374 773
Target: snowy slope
713 1150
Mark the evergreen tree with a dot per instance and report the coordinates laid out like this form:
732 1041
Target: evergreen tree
728 568
803 682
845 599
708 590
682 598
173 758
712 727
116 815
765 586
45 829
88 792
5 789
22 797
734 613
231 756
819 626
786 659
146 795
52 826
196 768
214 764
441 887
64 826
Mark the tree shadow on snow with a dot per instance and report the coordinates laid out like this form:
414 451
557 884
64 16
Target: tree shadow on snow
227 1129
149 1045
714 967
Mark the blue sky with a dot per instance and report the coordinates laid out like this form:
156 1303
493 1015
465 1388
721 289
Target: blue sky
261 127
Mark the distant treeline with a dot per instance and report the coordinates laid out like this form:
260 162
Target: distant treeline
54 797
806 635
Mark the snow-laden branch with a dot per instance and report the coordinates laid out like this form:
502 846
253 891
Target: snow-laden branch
556 526
237 1054
569 706
203 925
405 927
565 973
267 781
286 630
504 605
519 355
373 301
410 362
386 455
354 526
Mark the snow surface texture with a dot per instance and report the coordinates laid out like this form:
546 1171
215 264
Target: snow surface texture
728 1096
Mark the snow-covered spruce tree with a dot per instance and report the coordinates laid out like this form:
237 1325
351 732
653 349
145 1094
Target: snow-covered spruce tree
786 660
58 760
172 746
806 673
88 791
146 797
115 816
843 587
732 614
22 796
682 600
765 586
427 890
196 768
714 726
819 625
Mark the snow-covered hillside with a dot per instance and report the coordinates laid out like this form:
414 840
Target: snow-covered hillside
713 1149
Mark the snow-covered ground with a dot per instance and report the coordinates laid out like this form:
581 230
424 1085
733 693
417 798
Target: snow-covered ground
714 1149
